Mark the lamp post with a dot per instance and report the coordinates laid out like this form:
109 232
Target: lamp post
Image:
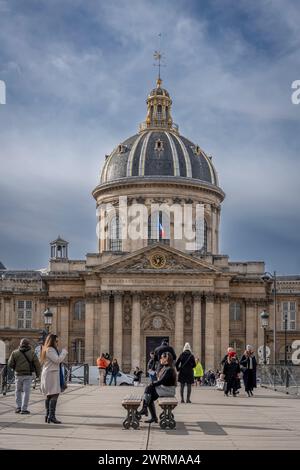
48 317
267 277
285 339
264 317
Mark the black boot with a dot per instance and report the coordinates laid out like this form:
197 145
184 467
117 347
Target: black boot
144 410
146 400
181 392
47 403
189 391
152 410
52 409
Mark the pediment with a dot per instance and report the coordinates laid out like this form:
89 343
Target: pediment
157 259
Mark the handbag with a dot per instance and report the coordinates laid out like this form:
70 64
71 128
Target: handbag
63 384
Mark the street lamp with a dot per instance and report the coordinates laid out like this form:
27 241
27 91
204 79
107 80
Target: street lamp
48 317
264 317
285 339
267 277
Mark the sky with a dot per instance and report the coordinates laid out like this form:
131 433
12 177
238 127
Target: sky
77 74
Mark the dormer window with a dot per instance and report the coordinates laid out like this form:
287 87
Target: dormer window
159 145
122 148
196 149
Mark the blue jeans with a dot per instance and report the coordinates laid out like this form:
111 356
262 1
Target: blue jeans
23 384
113 377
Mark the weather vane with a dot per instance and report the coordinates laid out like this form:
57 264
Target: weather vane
158 56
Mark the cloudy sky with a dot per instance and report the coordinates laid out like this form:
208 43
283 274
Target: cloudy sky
77 74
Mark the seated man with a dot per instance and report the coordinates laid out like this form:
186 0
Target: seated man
165 386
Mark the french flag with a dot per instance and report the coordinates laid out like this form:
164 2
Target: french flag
162 232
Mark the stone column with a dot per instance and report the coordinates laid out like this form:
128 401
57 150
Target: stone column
89 331
118 327
250 323
210 333
197 330
104 323
2 313
224 325
179 323
136 331
64 325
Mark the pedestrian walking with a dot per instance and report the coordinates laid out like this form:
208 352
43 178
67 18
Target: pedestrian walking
230 374
52 378
198 372
248 365
24 362
185 367
115 369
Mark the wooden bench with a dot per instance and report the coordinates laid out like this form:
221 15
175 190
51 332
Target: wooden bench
131 404
166 418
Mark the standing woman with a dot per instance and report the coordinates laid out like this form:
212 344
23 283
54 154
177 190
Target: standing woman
114 371
51 385
248 366
185 366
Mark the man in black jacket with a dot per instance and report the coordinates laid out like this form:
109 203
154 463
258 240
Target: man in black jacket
164 347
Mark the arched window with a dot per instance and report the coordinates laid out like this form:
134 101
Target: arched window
77 352
201 235
79 310
158 228
235 311
115 242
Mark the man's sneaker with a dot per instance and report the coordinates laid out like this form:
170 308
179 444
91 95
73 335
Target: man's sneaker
25 412
18 410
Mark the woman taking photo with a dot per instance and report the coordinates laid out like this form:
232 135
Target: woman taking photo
52 378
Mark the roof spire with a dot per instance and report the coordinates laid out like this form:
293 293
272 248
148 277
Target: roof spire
158 55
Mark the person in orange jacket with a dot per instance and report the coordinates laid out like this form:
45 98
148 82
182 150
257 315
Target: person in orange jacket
102 364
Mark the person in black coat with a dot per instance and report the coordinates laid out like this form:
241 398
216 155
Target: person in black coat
248 365
164 386
231 370
185 366
164 347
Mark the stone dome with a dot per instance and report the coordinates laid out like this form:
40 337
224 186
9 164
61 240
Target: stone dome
158 152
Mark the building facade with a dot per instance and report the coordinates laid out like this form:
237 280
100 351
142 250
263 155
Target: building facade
137 290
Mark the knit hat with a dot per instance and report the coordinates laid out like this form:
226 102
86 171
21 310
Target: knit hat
187 347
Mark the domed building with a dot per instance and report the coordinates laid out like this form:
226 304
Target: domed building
157 272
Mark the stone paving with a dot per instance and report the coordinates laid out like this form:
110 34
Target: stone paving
92 419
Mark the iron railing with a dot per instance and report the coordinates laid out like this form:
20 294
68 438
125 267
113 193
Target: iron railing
74 373
280 377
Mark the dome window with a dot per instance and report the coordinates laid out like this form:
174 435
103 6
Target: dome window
196 149
159 145
122 148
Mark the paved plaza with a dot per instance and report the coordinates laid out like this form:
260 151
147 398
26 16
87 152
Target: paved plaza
92 419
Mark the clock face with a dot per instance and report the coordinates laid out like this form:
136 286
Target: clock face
157 322
158 260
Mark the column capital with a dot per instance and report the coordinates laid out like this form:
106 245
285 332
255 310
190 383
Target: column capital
118 294
105 295
210 296
179 296
136 295
197 295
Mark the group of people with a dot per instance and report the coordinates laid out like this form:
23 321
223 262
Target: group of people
24 361
106 366
164 370
232 367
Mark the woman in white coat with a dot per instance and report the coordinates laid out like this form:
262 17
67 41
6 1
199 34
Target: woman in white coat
51 376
